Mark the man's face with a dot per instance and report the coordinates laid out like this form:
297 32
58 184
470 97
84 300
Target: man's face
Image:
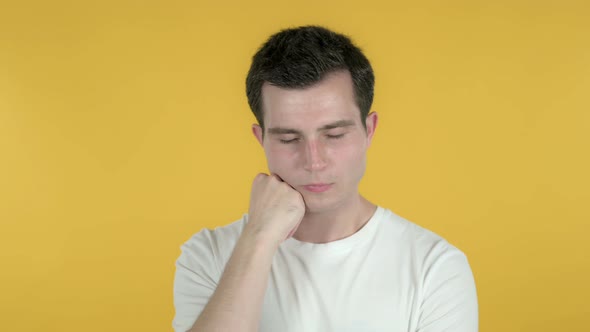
315 141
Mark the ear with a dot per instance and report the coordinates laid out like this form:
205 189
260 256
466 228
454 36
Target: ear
371 123
257 131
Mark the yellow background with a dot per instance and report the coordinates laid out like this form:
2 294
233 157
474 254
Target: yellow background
124 129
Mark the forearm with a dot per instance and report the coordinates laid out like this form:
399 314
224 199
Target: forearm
237 301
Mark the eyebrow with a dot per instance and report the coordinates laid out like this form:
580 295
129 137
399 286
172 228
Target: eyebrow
337 124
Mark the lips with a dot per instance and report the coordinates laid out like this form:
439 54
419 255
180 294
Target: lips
317 187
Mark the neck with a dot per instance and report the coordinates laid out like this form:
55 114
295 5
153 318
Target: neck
335 224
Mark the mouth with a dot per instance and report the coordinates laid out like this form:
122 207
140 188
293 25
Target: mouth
317 187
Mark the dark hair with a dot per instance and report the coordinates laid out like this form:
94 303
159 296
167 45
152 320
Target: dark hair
300 57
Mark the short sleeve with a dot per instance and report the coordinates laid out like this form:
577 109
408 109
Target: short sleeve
195 280
198 270
449 300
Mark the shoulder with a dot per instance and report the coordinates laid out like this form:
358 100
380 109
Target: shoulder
442 274
213 245
424 246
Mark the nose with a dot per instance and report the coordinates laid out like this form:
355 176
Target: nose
315 158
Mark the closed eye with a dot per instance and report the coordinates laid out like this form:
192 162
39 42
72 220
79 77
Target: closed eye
335 136
289 141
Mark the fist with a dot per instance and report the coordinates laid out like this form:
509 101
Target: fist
276 209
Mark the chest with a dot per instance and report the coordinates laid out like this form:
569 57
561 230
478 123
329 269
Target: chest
364 290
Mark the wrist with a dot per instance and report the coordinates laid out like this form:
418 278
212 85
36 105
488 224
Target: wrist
258 237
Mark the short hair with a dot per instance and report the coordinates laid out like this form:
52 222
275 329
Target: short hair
299 57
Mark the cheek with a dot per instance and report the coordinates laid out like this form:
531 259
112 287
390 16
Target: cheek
350 160
347 153
279 158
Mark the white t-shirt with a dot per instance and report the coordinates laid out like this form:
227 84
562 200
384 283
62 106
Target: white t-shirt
392 275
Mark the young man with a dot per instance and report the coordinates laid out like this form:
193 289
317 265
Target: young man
312 254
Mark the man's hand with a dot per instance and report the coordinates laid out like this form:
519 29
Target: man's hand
276 209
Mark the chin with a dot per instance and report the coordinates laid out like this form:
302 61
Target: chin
319 205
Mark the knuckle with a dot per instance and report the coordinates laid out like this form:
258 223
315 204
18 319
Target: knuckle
261 178
275 179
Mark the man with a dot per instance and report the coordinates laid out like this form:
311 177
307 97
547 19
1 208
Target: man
312 254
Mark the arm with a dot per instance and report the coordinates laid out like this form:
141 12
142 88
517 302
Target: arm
237 301
275 211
